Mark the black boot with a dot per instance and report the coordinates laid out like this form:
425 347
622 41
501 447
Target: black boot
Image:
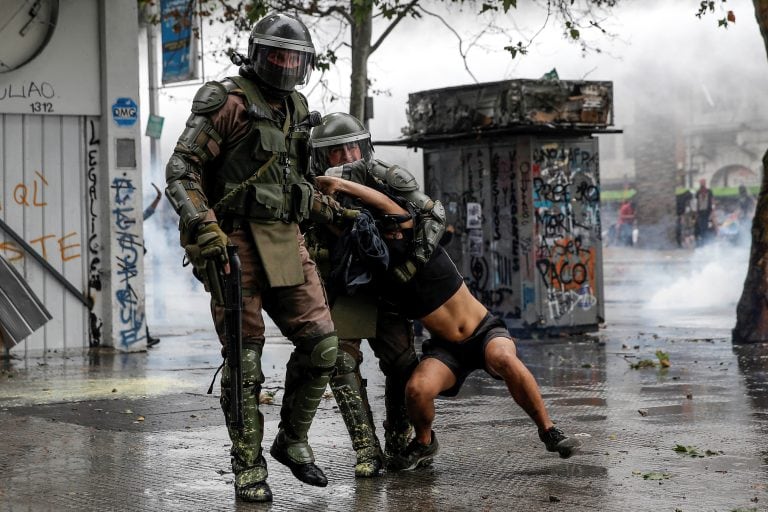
307 472
257 492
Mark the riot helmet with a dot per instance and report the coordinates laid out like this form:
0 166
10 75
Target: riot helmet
280 52
340 139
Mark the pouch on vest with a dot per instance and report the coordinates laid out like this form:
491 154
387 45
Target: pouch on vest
354 317
268 202
278 247
301 201
271 139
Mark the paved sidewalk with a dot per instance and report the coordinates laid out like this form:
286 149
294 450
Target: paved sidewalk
105 431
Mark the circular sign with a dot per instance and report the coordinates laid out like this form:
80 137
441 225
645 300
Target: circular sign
26 26
125 112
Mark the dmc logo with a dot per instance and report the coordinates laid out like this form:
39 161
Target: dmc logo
125 112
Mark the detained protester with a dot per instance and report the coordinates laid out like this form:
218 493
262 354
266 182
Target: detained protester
357 309
465 336
238 177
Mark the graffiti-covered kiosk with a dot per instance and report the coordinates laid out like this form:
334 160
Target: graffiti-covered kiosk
516 166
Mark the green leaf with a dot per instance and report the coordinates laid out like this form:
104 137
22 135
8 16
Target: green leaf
643 363
506 4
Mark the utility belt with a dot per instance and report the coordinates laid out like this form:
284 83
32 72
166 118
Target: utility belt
260 202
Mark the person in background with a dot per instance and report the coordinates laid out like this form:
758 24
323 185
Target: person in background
704 228
625 223
465 335
148 212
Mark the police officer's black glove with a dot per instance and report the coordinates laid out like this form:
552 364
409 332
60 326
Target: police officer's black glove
405 271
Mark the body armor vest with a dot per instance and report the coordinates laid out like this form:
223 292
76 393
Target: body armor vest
261 176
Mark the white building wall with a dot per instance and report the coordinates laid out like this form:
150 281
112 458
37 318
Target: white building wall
65 189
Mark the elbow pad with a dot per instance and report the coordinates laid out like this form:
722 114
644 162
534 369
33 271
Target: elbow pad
429 231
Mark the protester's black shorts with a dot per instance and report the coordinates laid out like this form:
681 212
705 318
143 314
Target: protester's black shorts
466 356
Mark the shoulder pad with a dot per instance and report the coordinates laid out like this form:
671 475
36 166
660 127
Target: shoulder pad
209 97
401 180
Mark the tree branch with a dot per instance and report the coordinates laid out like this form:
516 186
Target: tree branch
458 36
392 25
316 13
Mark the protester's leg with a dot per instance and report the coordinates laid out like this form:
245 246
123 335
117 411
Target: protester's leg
501 360
301 312
430 378
350 393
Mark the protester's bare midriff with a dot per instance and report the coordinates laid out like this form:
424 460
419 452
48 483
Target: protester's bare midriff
457 318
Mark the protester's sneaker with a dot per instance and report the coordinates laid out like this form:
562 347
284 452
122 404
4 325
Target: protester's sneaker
415 455
556 441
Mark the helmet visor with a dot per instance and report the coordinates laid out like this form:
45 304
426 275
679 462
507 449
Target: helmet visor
283 68
339 154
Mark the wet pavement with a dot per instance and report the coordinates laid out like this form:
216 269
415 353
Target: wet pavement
102 431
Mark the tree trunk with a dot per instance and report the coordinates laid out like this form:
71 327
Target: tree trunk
362 30
752 310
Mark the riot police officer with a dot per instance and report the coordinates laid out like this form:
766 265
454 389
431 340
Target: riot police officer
340 139
238 176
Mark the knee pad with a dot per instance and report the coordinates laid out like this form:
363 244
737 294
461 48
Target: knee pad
324 352
345 362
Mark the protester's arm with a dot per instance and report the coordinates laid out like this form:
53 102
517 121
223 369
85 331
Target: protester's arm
150 210
370 197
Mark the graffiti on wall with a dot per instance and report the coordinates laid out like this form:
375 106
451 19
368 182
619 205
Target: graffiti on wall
567 226
129 250
95 323
50 245
529 222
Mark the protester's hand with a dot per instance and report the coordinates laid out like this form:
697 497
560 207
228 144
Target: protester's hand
329 184
156 200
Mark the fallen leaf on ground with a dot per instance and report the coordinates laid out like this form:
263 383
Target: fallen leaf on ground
655 475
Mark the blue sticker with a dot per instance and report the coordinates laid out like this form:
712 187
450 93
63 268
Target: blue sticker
125 112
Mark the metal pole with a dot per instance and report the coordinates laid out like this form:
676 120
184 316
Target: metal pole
154 144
